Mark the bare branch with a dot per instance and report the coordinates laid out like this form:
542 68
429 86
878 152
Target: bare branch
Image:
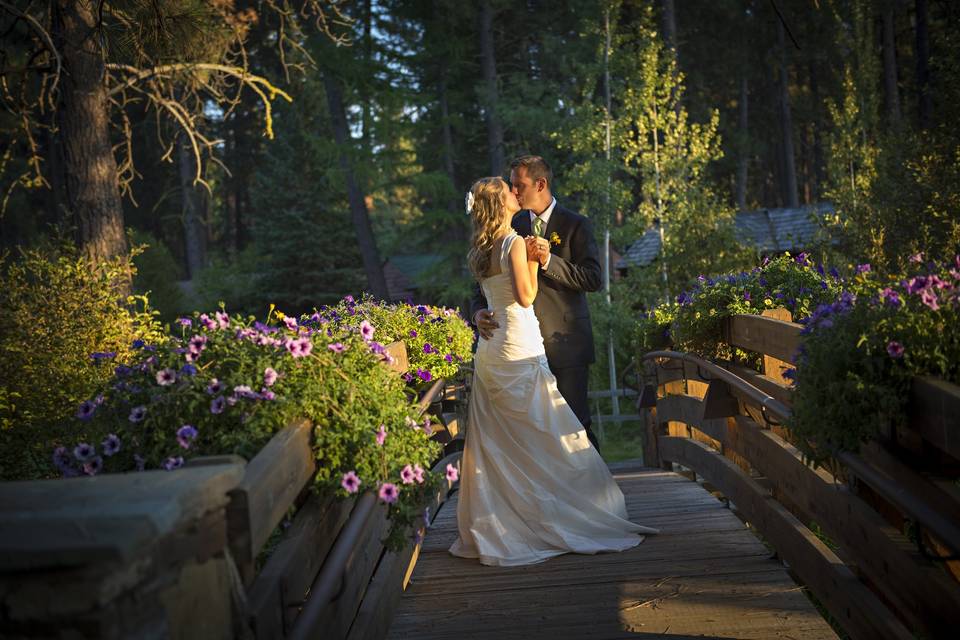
38 28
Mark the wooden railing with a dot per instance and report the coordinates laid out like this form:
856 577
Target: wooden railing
845 536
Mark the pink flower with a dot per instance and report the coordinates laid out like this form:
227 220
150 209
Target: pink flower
452 473
166 377
300 348
929 298
427 427
350 482
895 349
418 473
291 323
406 475
381 435
389 492
336 347
917 258
207 322
222 319
269 377
366 330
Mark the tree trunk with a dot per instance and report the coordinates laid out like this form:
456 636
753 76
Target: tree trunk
786 124
669 25
742 143
358 207
924 106
364 86
891 93
90 168
489 63
193 200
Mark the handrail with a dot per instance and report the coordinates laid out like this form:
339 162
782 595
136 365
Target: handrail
766 402
333 574
431 395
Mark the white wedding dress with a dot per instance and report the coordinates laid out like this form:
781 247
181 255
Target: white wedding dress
531 485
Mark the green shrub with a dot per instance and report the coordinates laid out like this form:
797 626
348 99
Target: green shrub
861 353
62 315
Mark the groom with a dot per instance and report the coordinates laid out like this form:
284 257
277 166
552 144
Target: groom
569 267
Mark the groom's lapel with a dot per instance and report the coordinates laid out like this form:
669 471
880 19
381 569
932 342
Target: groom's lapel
554 225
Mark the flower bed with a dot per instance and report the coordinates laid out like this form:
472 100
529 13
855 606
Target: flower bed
228 384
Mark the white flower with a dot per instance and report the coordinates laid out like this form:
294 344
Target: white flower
469 202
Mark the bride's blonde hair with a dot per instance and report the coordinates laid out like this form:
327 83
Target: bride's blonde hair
488 212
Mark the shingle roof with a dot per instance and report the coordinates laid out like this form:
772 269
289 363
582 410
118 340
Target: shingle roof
768 230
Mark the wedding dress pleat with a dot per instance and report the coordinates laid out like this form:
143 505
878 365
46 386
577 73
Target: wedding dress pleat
531 485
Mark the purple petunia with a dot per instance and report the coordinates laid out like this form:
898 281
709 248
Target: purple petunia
406 475
102 355
348 299
166 377
122 371
93 466
424 375
895 349
746 296
137 344
215 387
208 323
186 435
217 405
413 333
188 370
389 492
83 452
111 445
243 391
350 482
428 348
891 297
407 377
863 268
381 435
172 463
269 377
86 410
185 322
267 394
366 330
336 347
448 357
452 473
137 414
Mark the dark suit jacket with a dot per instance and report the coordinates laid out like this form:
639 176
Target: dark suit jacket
561 302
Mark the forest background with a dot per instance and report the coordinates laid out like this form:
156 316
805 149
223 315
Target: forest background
280 151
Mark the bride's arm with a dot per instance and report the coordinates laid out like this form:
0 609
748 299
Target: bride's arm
524 273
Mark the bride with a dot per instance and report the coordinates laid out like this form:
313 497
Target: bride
531 485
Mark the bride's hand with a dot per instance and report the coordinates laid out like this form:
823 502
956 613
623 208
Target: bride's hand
533 252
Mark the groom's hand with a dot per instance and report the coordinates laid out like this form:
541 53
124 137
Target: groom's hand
485 323
543 250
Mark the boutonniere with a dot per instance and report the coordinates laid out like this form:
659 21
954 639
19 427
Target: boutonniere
554 239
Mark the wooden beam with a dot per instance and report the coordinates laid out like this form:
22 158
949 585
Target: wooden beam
924 595
764 335
271 482
853 605
935 413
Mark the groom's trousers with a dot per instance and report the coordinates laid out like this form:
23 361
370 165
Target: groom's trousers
572 382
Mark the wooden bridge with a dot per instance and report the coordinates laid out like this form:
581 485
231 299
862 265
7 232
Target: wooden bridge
754 543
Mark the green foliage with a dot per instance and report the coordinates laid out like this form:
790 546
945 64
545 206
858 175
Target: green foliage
861 353
157 275
438 340
59 312
694 323
227 385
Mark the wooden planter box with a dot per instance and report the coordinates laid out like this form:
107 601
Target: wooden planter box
161 554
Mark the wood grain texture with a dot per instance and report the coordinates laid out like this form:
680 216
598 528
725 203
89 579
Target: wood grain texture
768 336
935 413
704 574
856 608
271 482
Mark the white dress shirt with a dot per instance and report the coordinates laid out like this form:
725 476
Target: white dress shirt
545 216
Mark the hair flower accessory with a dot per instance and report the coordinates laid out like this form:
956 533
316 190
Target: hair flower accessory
469 202
554 238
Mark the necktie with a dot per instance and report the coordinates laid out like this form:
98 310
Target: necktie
538 227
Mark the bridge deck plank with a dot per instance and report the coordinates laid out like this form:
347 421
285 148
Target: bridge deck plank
704 574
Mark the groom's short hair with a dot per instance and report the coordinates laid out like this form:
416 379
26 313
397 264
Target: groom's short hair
536 168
